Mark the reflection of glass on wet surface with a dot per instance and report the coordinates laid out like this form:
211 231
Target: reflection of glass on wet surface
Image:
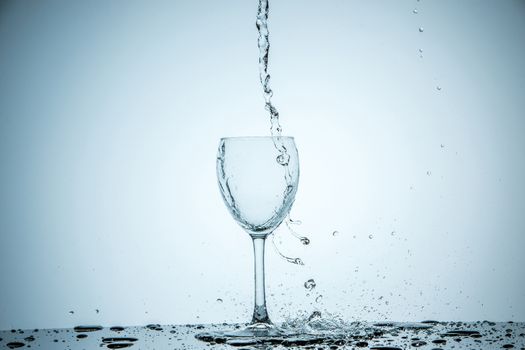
323 334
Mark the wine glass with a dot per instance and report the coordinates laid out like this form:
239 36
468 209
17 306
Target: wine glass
258 178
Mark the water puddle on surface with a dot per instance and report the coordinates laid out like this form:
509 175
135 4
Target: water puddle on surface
319 333
315 331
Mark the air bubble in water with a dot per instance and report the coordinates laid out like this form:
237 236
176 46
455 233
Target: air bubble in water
319 298
415 11
438 88
421 29
429 173
370 236
335 233
310 284
219 300
305 240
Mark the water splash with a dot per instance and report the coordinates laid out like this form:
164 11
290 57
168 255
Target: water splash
263 43
283 158
289 222
296 261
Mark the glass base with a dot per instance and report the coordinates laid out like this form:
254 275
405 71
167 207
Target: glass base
260 334
256 330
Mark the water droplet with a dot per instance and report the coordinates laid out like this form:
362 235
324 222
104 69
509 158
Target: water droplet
335 233
319 298
297 261
418 343
314 315
294 222
305 240
283 159
370 236
219 300
116 329
415 11
421 29
310 284
119 342
154 327
84 329
393 233
438 88
119 345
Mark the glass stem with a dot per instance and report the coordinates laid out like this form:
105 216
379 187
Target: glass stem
260 315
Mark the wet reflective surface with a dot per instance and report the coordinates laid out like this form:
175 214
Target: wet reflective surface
384 335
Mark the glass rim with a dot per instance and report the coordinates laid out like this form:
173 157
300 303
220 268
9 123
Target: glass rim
240 138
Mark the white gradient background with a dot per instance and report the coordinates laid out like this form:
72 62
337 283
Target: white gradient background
111 112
